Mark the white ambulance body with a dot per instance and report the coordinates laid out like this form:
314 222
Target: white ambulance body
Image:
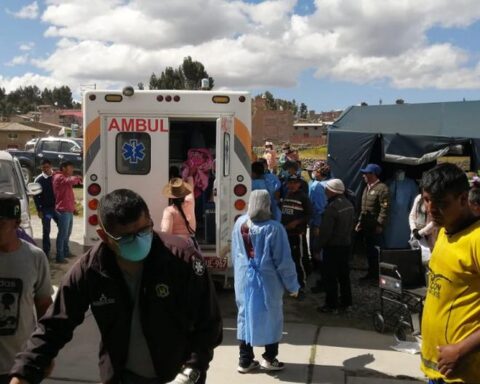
132 141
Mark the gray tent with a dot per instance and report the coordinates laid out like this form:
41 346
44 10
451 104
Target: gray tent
410 136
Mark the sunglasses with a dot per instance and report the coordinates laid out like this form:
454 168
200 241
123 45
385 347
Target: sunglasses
130 237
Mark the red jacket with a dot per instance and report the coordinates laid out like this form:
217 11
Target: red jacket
63 191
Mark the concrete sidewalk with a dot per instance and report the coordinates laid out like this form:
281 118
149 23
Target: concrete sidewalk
311 354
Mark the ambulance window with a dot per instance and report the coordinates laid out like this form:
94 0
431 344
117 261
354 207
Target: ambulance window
226 154
132 154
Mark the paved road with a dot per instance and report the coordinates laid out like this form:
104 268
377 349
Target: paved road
316 349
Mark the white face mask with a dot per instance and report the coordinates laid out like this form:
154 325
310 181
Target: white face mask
400 175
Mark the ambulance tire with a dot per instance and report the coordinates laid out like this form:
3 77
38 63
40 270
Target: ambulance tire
378 322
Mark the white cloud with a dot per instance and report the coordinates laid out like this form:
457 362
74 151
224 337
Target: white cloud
253 45
27 46
29 11
17 60
29 78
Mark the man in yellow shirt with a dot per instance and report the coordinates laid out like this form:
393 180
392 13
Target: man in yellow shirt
451 316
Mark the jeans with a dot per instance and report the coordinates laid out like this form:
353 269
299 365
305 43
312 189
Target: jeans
337 273
48 214
65 223
247 356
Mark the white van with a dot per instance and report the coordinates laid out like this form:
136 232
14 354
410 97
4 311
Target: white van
132 140
11 181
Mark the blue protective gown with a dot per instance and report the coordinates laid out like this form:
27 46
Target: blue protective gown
269 185
261 281
402 194
318 198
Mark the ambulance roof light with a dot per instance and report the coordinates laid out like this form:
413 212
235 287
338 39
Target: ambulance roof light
128 91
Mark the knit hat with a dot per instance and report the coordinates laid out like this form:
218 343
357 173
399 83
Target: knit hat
259 205
336 186
9 206
177 188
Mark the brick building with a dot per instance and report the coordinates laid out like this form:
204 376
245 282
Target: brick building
275 126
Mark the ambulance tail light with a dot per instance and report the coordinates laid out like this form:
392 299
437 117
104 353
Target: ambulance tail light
93 220
93 204
94 189
240 190
221 99
240 204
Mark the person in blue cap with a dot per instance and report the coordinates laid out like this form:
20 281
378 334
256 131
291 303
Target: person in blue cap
373 216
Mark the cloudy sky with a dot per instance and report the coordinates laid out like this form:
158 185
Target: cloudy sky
327 53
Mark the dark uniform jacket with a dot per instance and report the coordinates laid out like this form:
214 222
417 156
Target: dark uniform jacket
337 223
178 309
375 206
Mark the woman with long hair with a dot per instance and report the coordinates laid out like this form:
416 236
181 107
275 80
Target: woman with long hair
179 217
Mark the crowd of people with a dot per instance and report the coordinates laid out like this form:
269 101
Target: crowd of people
155 304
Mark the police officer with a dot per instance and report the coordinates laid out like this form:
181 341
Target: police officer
373 216
151 296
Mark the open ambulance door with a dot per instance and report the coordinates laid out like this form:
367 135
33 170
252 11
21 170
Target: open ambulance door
137 158
223 206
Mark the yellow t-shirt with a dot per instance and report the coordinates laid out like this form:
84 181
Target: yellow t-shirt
452 305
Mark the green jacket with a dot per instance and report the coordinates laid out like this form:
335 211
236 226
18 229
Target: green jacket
375 207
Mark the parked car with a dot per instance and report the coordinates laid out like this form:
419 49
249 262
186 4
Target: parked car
11 181
55 149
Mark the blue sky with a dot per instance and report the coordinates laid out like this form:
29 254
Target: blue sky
328 54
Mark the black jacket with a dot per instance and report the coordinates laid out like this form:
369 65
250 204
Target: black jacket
46 199
178 308
337 223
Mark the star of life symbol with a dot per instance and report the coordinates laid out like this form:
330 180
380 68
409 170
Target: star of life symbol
133 151
198 267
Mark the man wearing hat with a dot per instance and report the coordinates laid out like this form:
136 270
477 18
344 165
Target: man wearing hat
25 287
288 154
373 216
335 237
296 212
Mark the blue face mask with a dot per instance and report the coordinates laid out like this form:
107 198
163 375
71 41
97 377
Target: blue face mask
138 249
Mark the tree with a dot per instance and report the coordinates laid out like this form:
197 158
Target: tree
62 97
140 86
187 76
303 111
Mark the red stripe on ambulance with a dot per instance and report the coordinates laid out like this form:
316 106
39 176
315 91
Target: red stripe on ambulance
137 125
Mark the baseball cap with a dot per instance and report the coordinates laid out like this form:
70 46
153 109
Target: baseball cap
336 186
372 168
9 206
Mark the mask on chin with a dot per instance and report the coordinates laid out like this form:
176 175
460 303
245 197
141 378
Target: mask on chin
138 249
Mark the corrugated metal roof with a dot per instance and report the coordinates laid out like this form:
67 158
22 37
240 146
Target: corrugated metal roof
449 119
16 127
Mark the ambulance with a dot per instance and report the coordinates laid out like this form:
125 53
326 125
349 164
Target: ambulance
133 137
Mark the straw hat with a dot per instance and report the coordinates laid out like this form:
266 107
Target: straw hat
177 188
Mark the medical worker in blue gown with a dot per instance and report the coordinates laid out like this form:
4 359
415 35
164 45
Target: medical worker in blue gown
264 269
403 191
262 181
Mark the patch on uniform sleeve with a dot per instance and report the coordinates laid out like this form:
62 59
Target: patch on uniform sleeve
198 266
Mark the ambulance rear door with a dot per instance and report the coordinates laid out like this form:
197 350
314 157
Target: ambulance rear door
223 209
137 157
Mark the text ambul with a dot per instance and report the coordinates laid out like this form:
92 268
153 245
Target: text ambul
126 124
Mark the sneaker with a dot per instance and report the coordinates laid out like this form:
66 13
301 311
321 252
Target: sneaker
273 365
253 365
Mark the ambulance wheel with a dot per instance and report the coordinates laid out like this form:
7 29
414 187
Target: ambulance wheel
378 322
402 331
